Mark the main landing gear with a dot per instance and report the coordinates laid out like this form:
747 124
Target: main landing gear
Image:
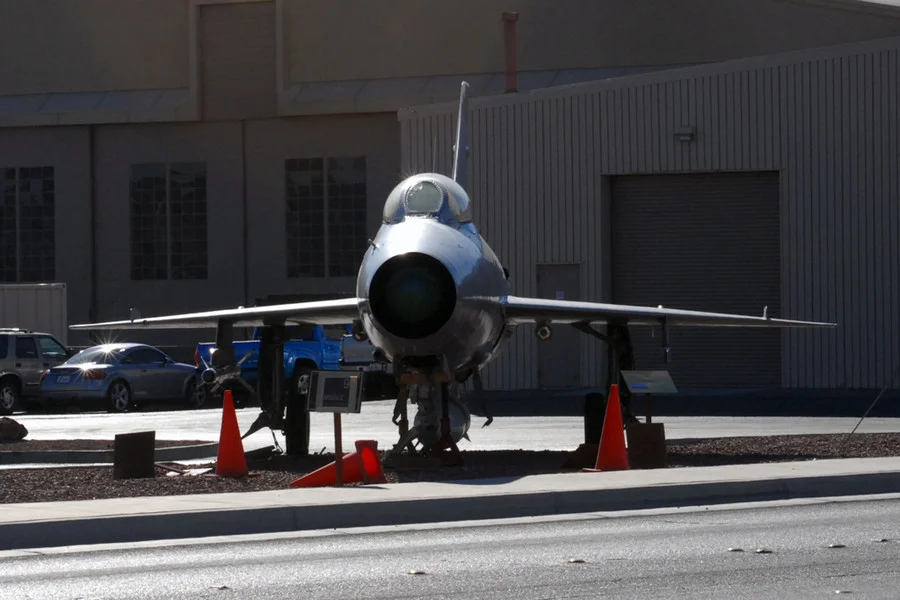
283 403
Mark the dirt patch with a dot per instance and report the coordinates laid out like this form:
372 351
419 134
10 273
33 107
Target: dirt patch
276 472
45 445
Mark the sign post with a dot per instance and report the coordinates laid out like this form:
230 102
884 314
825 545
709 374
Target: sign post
338 450
336 392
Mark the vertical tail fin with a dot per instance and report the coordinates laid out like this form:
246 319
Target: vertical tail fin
461 148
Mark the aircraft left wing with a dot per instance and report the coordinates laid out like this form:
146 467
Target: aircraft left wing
538 310
324 312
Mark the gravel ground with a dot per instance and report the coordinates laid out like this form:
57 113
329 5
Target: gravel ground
276 472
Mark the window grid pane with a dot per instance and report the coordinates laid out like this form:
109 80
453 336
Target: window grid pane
347 239
148 222
36 225
187 183
8 250
305 213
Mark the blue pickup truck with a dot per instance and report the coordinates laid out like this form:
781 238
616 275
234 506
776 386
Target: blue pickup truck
308 348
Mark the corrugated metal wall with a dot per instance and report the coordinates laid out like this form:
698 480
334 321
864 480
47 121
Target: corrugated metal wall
828 120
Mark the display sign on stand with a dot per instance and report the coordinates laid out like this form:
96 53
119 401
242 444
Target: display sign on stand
336 392
649 383
647 441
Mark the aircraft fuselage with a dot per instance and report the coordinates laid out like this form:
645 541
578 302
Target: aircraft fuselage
422 288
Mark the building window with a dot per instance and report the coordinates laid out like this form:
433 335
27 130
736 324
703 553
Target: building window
326 216
27 228
168 221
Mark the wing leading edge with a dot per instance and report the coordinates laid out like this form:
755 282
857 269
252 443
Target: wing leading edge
324 312
536 310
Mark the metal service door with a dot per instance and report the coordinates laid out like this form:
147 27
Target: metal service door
702 241
559 358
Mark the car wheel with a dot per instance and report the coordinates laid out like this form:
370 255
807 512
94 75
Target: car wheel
196 395
118 397
9 396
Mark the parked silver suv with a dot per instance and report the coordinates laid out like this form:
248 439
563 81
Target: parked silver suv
24 355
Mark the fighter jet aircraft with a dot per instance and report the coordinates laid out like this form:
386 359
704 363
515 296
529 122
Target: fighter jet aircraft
436 303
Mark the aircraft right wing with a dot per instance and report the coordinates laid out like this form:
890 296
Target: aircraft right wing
323 312
538 310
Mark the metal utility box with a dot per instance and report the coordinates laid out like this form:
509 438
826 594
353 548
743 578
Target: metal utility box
40 307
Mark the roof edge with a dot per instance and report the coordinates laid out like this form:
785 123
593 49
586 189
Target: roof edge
674 74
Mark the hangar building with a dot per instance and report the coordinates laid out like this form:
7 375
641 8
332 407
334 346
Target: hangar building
761 182
179 155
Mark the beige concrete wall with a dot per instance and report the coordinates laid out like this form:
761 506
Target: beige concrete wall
238 80
92 45
118 147
354 39
828 120
102 45
127 61
269 143
67 150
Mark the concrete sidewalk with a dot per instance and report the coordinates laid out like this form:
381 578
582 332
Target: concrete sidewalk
50 524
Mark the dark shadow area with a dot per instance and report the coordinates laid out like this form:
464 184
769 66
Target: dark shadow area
98 407
702 402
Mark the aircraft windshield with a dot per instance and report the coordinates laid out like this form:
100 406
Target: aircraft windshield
424 198
429 194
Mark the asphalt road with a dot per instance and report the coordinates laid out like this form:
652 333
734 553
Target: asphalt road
652 554
374 422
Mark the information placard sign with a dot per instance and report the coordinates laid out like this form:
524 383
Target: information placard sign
335 391
649 382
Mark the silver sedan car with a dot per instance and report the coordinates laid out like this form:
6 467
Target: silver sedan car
120 375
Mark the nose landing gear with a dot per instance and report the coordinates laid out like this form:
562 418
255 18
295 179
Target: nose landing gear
441 421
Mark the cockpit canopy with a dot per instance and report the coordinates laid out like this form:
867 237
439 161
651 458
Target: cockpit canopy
428 195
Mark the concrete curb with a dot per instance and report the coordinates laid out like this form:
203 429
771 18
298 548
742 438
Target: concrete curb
112 528
170 453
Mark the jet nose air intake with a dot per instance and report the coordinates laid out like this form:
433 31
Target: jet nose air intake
412 295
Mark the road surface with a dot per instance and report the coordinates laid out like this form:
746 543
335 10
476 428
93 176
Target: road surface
654 554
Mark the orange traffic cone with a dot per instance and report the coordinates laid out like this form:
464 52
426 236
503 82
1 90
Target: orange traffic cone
230 461
362 465
612 455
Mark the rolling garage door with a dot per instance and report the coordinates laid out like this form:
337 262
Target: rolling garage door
704 242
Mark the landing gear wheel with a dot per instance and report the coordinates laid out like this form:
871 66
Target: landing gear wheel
296 421
9 396
118 397
196 395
